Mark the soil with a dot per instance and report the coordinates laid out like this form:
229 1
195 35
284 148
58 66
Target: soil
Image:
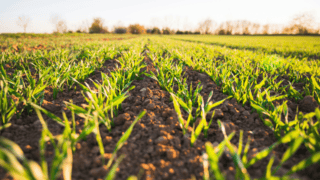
156 148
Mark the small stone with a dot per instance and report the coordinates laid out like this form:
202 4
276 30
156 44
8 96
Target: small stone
146 102
120 119
162 140
224 108
98 172
95 150
21 128
37 122
172 154
201 75
246 113
218 113
215 144
150 149
250 121
171 120
126 125
151 106
177 142
234 111
155 97
136 137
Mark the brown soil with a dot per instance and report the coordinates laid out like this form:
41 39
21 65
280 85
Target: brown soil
156 148
26 130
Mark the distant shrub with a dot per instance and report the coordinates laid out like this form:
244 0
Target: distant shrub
97 26
187 32
167 31
136 29
179 32
155 30
120 30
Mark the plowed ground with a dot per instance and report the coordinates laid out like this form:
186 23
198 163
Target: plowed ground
156 148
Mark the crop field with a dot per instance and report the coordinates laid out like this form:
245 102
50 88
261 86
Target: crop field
159 107
293 46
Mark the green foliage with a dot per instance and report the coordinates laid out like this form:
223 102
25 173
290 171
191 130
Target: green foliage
97 26
136 29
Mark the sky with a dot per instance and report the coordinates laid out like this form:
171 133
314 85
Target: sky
178 14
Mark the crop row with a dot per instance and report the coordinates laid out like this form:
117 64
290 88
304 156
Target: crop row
50 42
300 47
61 70
253 78
237 74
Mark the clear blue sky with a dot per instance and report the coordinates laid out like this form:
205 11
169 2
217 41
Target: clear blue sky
176 13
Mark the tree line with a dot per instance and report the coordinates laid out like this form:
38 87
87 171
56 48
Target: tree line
301 24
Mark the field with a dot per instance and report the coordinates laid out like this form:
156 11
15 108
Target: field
159 107
288 46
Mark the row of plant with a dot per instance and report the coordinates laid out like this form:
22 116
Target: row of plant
239 70
31 73
300 47
10 44
170 75
237 75
104 101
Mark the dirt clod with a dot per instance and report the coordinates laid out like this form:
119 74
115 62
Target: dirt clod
308 104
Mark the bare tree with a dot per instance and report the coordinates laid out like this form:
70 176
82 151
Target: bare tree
265 29
60 24
229 27
302 23
255 28
246 27
23 22
206 26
